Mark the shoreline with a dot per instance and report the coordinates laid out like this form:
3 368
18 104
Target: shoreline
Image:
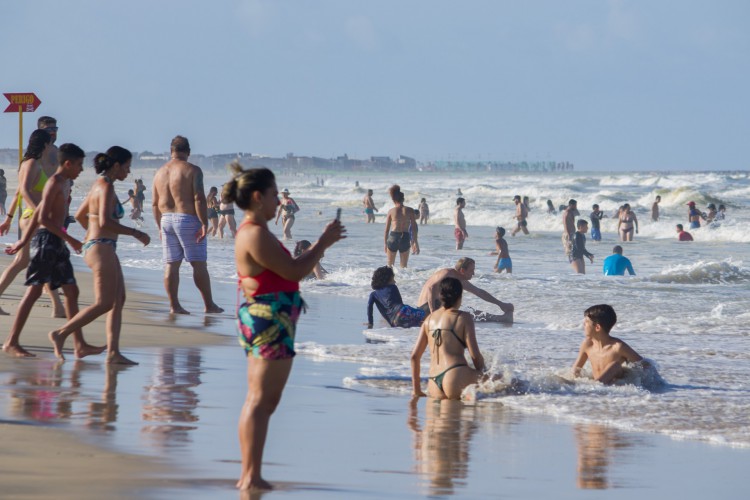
33 440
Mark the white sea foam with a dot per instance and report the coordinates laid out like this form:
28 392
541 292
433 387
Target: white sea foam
686 308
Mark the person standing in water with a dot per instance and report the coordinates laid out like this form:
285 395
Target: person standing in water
398 240
503 262
596 217
369 207
569 226
424 211
522 212
287 208
269 280
627 223
655 209
579 248
459 222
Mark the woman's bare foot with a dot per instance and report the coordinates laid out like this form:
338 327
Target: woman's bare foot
118 359
58 341
250 484
179 310
214 309
17 351
59 313
88 350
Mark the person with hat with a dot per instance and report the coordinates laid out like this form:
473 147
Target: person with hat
694 216
287 208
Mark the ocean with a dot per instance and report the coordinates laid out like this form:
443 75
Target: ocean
685 310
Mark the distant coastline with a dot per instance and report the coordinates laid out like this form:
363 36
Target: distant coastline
294 163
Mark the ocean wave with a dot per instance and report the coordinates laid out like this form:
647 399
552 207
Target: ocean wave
713 272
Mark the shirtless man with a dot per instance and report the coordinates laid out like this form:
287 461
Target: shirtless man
179 205
32 176
569 226
50 258
397 223
429 298
655 209
522 212
369 206
459 230
606 354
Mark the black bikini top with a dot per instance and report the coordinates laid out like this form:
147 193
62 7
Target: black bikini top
437 335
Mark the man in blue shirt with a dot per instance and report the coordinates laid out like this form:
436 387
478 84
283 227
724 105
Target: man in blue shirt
616 264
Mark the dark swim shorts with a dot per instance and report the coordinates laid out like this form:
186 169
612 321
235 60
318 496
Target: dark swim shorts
50 261
398 242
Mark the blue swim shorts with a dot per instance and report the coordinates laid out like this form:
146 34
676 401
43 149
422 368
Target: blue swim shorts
505 264
596 234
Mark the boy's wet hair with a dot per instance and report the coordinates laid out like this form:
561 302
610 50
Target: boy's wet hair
381 277
69 152
594 206
582 222
603 315
451 291
680 227
500 231
459 201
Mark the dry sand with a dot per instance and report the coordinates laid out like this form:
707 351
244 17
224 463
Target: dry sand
47 462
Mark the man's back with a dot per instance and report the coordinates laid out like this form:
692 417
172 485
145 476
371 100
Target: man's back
176 185
616 264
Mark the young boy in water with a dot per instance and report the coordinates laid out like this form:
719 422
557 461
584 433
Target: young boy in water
606 354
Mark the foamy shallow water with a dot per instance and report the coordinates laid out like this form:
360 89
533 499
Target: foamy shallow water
686 309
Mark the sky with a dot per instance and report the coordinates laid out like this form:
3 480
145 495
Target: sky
605 84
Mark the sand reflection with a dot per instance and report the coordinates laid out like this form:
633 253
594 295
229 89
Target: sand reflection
442 446
597 446
170 400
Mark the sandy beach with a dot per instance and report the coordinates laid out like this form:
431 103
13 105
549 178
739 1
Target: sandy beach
35 436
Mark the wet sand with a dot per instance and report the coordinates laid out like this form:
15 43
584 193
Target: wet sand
166 428
39 456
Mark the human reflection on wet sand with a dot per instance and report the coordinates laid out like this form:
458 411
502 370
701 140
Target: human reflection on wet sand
40 392
170 401
442 446
597 445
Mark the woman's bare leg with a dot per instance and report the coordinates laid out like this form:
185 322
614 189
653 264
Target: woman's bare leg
102 260
114 322
265 383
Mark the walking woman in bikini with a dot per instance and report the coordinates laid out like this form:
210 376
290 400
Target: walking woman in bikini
269 280
100 215
448 332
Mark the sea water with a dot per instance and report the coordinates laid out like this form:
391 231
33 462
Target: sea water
685 310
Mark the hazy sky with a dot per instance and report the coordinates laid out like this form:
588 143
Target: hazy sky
643 85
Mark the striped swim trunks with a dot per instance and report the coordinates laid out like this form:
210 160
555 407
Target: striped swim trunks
179 233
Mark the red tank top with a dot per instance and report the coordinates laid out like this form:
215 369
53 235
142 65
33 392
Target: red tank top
268 281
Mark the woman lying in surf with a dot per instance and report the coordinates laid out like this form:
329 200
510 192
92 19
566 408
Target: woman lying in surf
388 300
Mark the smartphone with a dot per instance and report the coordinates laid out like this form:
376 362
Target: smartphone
338 214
